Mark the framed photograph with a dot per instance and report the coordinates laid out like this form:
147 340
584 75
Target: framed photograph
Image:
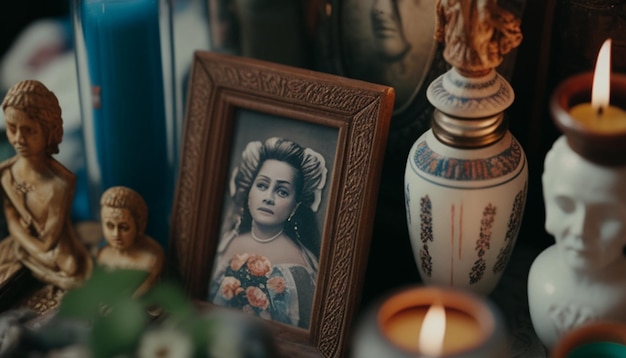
276 195
382 41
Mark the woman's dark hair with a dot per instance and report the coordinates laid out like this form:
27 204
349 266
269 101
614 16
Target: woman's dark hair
310 175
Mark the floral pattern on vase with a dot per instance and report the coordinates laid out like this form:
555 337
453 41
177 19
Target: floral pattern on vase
482 244
426 218
513 226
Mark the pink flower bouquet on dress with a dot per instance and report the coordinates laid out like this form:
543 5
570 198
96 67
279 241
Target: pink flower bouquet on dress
248 284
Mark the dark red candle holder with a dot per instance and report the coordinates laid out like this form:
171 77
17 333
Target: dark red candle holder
597 146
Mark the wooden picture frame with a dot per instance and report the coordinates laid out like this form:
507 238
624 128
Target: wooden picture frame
347 119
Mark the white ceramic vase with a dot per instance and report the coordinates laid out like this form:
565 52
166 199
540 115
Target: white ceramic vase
465 185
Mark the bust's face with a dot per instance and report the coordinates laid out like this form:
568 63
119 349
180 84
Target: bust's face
585 211
119 227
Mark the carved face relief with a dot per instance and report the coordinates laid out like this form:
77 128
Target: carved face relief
387 28
389 42
585 210
119 227
25 134
272 196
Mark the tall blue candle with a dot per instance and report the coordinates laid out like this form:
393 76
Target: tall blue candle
131 134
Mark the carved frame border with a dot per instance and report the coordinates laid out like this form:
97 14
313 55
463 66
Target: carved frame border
361 112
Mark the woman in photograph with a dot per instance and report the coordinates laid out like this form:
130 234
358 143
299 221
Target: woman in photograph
267 262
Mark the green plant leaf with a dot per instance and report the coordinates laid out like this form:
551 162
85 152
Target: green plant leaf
119 330
104 287
171 299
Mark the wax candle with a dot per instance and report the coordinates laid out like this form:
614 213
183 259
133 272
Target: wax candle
432 322
131 133
610 119
407 326
599 115
596 129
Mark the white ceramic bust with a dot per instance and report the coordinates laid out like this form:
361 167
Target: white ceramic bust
582 277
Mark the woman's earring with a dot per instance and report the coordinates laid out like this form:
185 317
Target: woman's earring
295 222
295 228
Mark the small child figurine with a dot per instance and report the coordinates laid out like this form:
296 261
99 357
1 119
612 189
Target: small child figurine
123 217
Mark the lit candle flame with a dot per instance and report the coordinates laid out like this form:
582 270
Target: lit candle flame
600 92
433 331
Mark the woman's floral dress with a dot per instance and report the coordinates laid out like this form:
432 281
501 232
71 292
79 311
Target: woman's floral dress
282 293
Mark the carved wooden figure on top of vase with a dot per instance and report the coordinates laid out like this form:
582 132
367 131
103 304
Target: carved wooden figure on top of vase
124 215
477 34
37 193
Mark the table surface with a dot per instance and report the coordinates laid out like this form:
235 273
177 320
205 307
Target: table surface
511 297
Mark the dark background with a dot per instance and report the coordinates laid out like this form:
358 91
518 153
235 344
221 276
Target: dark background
16 15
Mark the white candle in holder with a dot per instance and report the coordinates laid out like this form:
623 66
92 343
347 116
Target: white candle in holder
431 322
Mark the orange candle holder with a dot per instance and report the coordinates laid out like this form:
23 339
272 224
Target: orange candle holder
392 327
599 146
602 332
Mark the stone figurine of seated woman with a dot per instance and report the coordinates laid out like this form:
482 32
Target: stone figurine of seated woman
124 215
37 193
